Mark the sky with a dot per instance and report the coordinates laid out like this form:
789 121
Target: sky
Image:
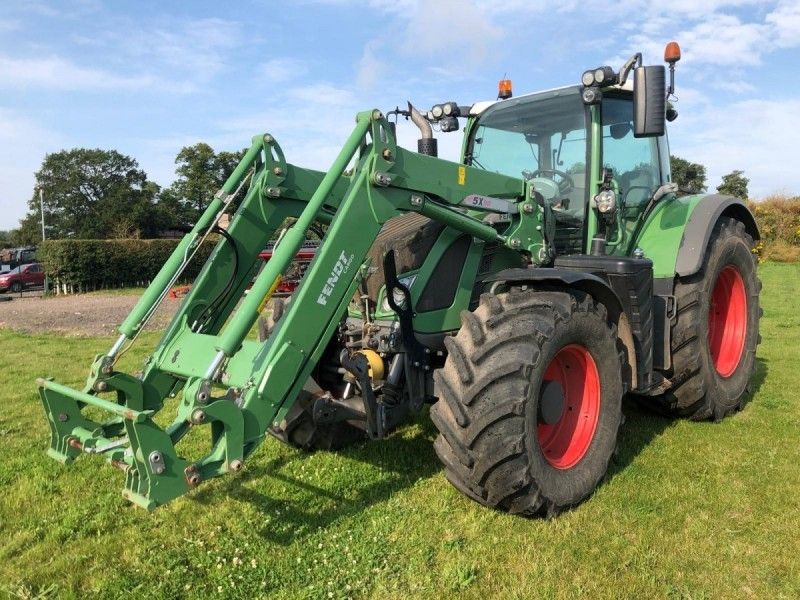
148 77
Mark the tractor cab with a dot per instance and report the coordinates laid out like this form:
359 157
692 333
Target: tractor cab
549 138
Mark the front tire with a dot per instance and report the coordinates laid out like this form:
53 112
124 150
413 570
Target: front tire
529 401
298 428
715 334
16 287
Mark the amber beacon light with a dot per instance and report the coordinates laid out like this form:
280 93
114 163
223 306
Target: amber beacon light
504 89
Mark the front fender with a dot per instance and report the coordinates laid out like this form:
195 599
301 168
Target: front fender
589 283
677 233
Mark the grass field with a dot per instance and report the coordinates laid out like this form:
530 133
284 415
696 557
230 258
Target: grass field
690 510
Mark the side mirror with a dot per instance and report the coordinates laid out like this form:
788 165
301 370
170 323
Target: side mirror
649 96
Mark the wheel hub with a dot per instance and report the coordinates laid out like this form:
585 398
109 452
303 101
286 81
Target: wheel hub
551 402
569 406
727 321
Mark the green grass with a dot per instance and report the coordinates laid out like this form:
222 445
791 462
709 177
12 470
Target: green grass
691 510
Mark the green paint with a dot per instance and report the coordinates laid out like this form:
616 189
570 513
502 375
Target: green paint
662 233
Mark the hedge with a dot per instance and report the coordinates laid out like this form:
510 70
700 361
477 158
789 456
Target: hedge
84 265
778 220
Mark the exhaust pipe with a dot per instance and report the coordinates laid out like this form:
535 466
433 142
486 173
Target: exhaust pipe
426 144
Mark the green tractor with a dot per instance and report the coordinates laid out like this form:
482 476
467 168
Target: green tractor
520 292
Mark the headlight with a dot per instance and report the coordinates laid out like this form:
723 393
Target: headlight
399 297
399 300
587 78
437 111
606 201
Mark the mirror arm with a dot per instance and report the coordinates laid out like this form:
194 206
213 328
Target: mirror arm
635 60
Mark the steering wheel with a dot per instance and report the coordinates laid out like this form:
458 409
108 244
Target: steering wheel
563 180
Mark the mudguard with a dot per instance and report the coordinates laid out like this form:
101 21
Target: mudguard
586 282
700 225
676 234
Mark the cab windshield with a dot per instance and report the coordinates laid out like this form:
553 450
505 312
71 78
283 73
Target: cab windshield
543 139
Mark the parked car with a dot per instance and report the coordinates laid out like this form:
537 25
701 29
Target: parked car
11 258
18 278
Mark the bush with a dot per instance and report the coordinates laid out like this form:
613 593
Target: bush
778 220
82 265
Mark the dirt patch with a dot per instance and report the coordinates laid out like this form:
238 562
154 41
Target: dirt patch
89 315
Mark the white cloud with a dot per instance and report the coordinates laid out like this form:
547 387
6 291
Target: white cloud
59 74
785 22
752 135
710 36
41 8
450 30
278 70
315 98
370 68
23 144
386 6
174 58
193 49
7 25
441 34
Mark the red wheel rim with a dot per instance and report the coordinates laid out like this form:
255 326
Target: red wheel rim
727 321
565 442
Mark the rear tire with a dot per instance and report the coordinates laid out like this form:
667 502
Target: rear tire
715 334
492 415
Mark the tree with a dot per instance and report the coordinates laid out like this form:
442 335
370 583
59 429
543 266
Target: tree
201 173
734 184
689 176
90 193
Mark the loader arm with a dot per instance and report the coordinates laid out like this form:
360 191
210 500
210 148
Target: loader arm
239 387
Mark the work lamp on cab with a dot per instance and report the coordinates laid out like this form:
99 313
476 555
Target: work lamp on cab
604 76
450 109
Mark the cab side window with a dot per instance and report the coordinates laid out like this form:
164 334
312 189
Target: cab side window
634 161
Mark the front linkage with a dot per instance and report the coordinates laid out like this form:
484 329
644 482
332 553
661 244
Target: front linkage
238 387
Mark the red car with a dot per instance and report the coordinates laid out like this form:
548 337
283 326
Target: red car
17 279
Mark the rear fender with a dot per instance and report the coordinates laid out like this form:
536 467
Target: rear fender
677 232
701 223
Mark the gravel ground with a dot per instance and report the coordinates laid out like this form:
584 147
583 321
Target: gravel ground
83 315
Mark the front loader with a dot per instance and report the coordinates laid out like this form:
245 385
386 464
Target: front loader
521 292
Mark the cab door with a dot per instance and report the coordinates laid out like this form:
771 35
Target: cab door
639 165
